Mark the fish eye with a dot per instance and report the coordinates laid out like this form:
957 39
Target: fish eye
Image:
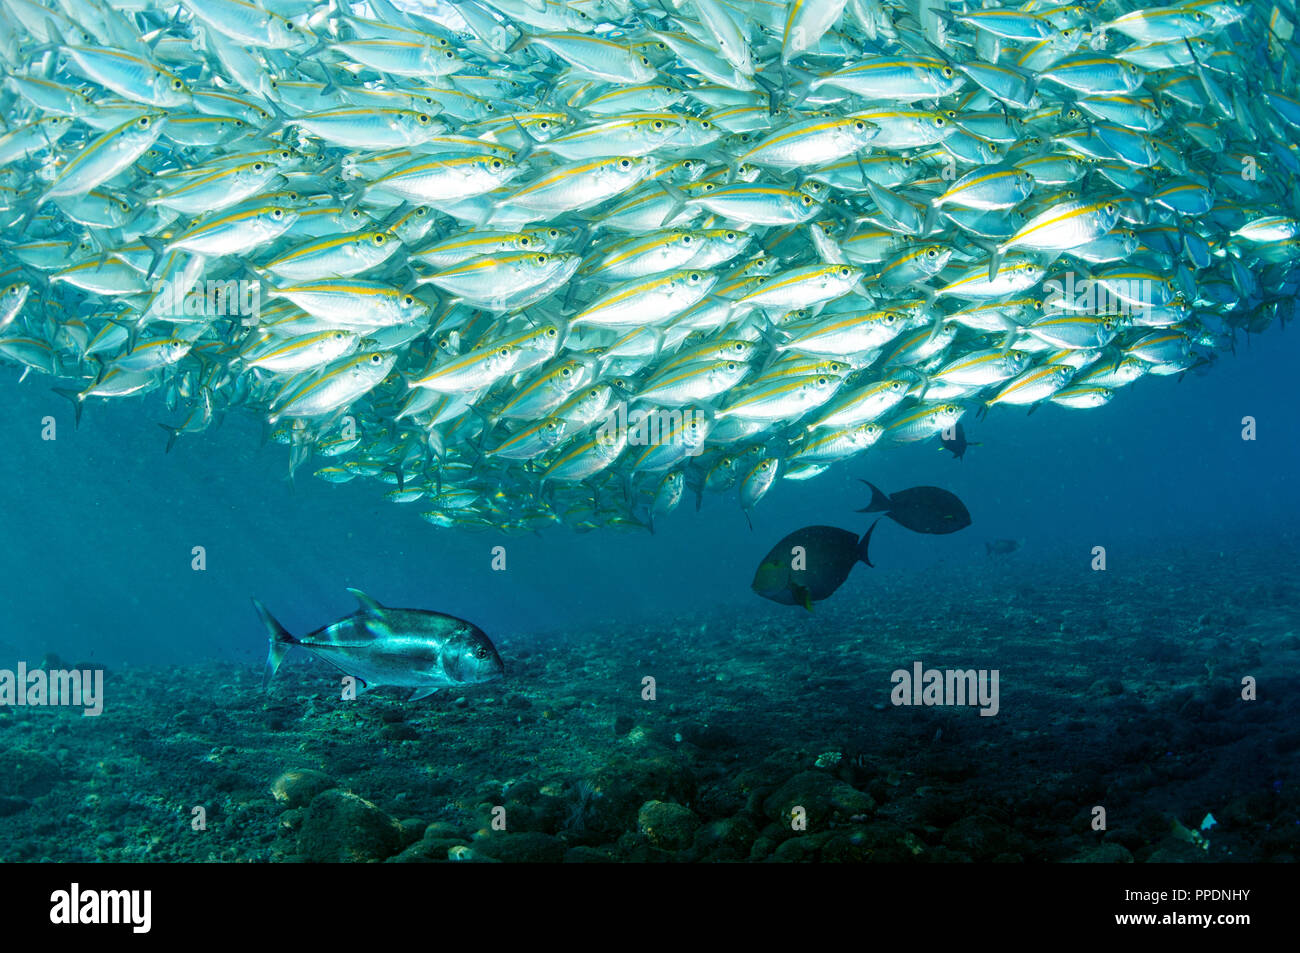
450 55
645 61
144 122
541 259
657 124
896 386
822 381
566 372
553 233
705 124
939 122
732 365
496 163
660 44
807 200
376 359
525 241
859 125
686 239
552 332
379 239
177 84
277 213
947 72
931 253
424 118
1112 207
624 164
409 299
844 272
544 125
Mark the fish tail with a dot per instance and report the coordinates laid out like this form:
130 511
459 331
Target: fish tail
172 434
879 501
75 398
864 544
279 638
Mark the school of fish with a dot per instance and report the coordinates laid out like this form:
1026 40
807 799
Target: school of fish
528 262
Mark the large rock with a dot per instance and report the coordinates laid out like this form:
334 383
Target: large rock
524 847
297 786
821 795
669 826
342 827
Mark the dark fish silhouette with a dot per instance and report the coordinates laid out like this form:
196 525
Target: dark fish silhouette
954 440
1002 547
810 564
922 509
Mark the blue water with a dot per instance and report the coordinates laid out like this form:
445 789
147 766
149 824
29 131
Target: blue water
99 524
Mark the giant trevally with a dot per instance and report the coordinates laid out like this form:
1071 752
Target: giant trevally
406 648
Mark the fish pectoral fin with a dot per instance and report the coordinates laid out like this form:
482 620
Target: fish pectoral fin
421 693
366 602
802 596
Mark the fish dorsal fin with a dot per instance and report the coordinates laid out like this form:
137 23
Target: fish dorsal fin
421 693
366 602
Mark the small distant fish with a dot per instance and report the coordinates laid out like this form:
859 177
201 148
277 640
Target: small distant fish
410 648
955 441
810 564
1002 547
922 509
